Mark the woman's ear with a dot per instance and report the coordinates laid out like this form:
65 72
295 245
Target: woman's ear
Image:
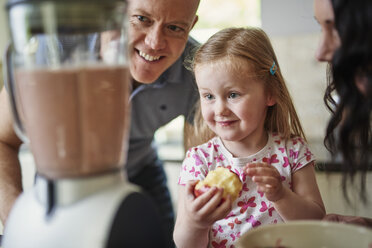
361 82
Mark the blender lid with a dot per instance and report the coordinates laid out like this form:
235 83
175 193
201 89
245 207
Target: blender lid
72 16
11 3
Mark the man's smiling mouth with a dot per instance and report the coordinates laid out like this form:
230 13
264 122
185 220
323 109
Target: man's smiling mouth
148 57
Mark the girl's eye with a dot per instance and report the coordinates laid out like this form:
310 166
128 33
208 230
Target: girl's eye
208 96
233 95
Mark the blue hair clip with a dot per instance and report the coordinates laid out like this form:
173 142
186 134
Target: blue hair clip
273 68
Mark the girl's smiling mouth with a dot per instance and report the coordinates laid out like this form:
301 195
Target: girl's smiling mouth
225 123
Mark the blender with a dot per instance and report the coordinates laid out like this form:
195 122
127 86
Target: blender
70 102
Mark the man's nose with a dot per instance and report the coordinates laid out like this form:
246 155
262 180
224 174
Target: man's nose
155 38
325 50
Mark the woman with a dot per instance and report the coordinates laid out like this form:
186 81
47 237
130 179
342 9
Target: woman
347 43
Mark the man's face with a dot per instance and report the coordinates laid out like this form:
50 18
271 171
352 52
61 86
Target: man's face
158 34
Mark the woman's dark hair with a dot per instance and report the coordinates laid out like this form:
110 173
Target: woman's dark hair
348 133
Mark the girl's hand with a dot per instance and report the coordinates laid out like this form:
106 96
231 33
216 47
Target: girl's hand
207 208
267 178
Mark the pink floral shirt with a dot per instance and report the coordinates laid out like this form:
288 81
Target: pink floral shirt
251 209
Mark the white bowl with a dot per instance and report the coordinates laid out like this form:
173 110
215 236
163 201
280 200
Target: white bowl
307 234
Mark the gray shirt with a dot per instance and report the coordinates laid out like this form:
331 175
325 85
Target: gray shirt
173 94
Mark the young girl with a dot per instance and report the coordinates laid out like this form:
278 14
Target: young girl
245 102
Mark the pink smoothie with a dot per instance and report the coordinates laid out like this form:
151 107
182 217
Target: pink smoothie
76 119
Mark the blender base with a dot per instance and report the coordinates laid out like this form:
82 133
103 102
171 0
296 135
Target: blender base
104 211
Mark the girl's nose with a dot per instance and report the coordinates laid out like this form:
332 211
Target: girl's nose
221 108
155 38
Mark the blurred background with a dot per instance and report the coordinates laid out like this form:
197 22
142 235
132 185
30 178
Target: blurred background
294 34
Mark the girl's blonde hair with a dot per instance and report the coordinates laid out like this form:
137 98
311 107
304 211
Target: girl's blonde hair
253 46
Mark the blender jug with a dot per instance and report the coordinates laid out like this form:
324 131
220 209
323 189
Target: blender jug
68 80
70 97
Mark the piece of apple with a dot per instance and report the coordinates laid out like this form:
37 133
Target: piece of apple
201 190
221 178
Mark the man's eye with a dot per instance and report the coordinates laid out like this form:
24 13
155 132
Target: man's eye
175 28
142 18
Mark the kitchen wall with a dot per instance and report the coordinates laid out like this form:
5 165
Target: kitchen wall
3 27
295 33
3 35
3 41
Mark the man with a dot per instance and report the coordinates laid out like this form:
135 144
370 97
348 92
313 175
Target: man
163 90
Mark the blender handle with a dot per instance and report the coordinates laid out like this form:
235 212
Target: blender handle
9 82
